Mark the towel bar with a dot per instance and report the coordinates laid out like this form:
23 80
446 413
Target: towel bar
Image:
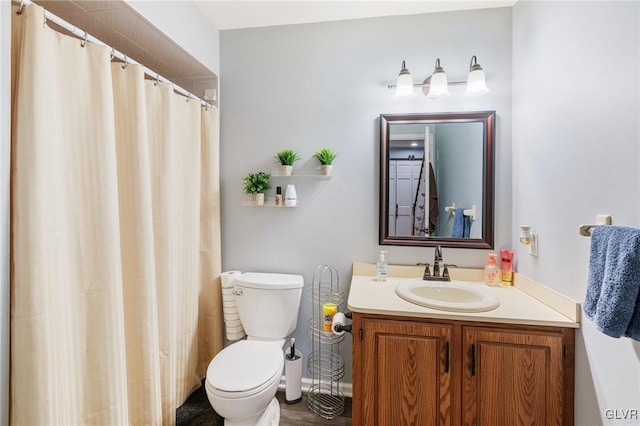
467 212
585 230
601 219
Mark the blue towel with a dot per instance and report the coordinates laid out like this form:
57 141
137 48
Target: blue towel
612 301
466 232
457 231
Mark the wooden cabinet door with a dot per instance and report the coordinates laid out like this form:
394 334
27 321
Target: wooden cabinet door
512 378
406 377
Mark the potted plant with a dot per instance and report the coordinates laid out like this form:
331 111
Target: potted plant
325 156
255 184
286 157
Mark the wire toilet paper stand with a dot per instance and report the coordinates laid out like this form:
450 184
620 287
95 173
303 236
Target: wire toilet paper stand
325 364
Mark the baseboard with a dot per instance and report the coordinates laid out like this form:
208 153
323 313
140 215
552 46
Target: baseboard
346 388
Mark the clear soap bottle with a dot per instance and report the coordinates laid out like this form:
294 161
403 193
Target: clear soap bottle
381 267
491 271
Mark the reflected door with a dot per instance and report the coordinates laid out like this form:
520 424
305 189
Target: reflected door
404 178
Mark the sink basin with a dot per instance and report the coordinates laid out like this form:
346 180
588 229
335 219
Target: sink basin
453 296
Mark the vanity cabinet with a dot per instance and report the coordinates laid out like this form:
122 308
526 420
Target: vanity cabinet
410 371
405 368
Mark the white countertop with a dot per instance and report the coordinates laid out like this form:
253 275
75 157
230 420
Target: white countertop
367 295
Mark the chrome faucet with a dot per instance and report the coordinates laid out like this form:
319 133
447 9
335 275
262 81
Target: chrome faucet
437 259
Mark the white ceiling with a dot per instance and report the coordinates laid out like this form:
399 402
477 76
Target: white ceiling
234 14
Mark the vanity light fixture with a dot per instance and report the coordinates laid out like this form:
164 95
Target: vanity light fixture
476 83
404 84
437 85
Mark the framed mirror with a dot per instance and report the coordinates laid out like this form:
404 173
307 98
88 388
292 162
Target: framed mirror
437 179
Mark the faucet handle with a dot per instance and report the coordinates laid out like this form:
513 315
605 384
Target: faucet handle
427 271
445 271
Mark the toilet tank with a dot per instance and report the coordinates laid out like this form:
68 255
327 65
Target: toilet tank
268 303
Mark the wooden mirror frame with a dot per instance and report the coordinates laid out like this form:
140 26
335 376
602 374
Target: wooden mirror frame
488 119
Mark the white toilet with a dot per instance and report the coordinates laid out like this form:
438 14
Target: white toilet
243 378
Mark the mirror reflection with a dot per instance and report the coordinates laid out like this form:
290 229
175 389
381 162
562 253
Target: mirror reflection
437 179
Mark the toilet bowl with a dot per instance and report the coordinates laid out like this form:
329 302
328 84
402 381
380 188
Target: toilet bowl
242 381
243 378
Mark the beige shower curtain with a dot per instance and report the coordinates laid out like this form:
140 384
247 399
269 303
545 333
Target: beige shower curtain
115 301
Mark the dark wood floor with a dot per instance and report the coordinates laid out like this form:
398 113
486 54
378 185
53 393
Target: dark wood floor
197 411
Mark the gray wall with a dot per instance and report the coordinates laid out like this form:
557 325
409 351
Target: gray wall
576 154
459 179
316 85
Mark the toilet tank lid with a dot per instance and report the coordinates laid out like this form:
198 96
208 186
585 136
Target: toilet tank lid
269 281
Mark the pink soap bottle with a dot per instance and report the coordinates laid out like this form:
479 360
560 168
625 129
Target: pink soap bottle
491 271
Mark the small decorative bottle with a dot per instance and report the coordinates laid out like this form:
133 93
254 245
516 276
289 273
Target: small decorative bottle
278 200
491 271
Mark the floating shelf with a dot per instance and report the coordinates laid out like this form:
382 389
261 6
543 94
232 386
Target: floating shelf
301 173
268 204
312 174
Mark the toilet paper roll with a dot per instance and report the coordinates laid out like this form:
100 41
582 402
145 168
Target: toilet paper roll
229 309
340 319
231 317
234 329
229 298
233 323
235 336
228 277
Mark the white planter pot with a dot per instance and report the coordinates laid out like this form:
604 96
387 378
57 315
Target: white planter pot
326 169
286 170
257 199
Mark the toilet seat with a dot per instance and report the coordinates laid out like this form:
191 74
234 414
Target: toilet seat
245 368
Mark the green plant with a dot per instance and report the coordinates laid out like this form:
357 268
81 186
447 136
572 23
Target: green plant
256 182
286 157
325 156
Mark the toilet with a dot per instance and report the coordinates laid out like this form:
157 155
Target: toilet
242 380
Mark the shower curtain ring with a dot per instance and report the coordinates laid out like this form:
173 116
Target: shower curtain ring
157 79
113 54
83 43
19 12
126 62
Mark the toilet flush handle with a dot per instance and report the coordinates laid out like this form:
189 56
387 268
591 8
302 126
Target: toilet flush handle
237 291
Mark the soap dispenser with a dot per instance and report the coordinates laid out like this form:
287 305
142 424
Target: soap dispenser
381 267
491 271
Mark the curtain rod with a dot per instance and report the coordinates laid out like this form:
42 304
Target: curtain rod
84 37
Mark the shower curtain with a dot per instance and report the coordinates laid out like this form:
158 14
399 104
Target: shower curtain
115 300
